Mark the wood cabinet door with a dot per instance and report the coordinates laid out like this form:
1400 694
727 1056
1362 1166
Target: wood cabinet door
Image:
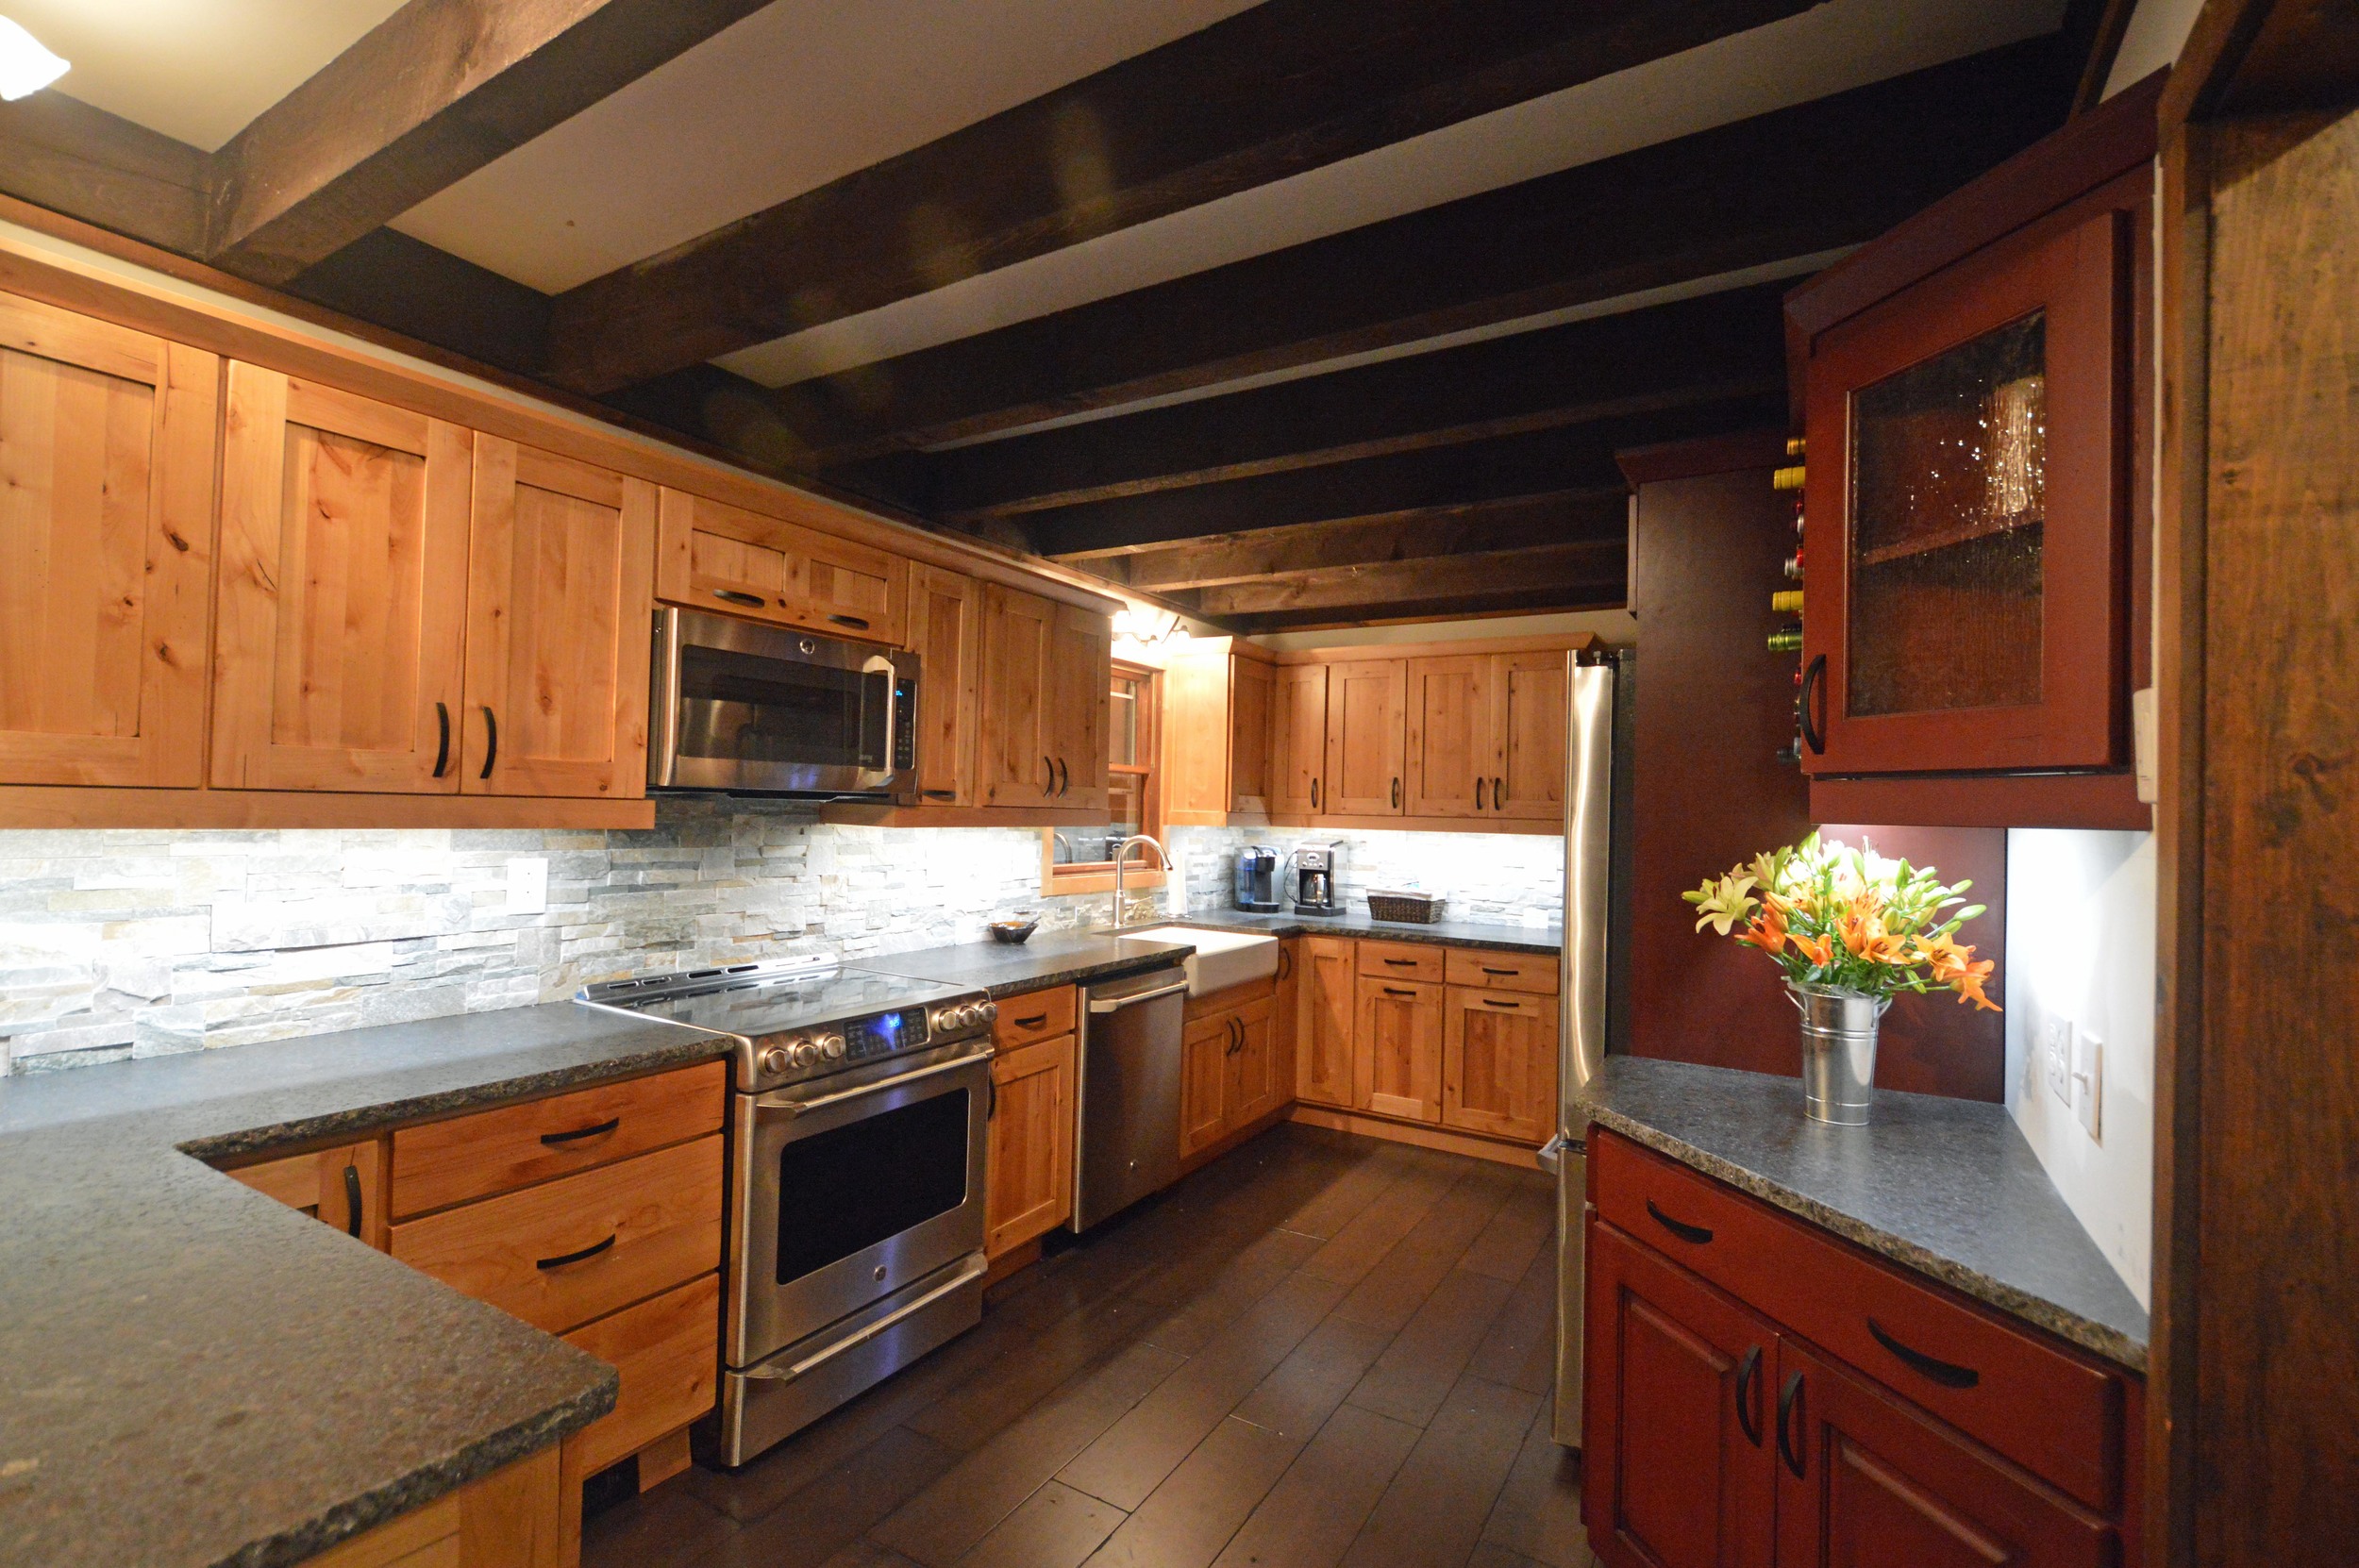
1299 740
107 441
343 1186
558 599
1528 726
1081 679
848 590
1325 1010
1365 738
1205 1044
1397 1049
341 597
1864 1480
1196 740
1255 1088
715 556
1449 761
1498 1064
1030 1189
1286 1016
945 632
1012 754
1678 1408
1253 697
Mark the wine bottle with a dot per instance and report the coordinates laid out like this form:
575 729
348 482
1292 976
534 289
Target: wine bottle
1787 639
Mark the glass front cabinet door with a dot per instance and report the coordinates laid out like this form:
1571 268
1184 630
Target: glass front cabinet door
1966 511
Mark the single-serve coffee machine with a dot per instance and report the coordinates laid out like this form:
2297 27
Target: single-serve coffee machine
1319 868
1258 878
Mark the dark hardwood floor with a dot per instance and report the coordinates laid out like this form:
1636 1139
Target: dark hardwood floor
1319 1350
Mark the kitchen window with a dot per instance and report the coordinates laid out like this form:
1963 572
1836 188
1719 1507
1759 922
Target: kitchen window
1080 859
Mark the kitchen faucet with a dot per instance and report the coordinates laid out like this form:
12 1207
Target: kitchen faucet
1122 859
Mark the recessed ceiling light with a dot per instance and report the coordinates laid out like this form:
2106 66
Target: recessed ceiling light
25 65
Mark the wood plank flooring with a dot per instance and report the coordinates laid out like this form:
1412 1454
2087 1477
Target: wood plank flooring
1319 1350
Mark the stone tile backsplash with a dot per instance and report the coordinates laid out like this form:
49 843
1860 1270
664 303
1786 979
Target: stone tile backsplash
1494 877
117 944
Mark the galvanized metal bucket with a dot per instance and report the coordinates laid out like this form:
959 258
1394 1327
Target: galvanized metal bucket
1838 1052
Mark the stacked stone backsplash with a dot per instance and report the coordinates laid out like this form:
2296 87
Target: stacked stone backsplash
1498 878
119 943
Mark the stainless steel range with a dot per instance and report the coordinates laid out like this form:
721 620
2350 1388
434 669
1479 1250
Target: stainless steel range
856 1193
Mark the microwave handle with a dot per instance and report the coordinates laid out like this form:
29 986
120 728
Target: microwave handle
663 706
878 664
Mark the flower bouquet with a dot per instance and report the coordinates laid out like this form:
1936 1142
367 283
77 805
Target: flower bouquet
1849 928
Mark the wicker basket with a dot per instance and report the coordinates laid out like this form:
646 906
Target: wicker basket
1412 909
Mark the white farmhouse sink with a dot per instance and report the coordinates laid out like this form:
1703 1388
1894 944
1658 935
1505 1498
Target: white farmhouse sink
1223 958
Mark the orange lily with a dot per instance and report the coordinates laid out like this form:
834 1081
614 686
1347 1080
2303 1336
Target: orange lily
1818 950
1967 983
1863 933
1766 932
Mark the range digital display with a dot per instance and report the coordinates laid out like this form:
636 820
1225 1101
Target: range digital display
885 1034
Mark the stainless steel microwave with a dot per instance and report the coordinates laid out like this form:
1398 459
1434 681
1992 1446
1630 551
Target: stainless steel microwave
758 709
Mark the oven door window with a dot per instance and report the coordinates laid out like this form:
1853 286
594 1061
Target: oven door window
741 707
843 1190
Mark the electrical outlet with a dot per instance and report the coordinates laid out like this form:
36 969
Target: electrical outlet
529 885
2088 1080
2056 1057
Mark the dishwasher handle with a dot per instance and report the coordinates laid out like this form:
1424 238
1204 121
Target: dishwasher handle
1115 1004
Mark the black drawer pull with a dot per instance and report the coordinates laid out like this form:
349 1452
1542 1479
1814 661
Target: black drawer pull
1477 791
1694 1234
1494 1002
1397 991
491 742
442 746
1033 1023
752 601
1814 680
1314 794
1488 970
583 1256
1788 1449
1947 1374
553 1139
1395 794
852 621
1747 1382
1402 963
352 1200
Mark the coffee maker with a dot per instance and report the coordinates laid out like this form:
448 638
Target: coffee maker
1257 878
1317 870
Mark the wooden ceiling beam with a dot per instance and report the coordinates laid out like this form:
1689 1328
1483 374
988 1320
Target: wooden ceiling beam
1699 350
59 153
1283 86
1486 527
431 94
1579 457
1588 567
1832 172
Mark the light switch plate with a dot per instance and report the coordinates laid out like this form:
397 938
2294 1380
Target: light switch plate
2056 1057
2089 1081
529 885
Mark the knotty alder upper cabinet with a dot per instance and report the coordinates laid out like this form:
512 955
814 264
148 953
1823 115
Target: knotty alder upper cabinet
1217 733
406 606
107 446
1047 669
1486 736
945 622
738 563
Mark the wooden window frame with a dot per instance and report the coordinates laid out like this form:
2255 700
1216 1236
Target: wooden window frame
1098 876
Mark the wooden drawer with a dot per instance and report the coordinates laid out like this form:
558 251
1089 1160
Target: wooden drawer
2041 1406
1478 966
497 1151
1036 1015
668 1351
632 1229
1401 961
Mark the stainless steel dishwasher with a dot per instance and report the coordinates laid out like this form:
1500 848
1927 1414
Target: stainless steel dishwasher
1127 1141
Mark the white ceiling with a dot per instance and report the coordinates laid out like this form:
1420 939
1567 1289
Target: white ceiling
196 70
798 93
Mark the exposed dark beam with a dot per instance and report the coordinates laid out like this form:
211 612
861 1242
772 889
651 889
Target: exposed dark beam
1603 595
1586 568
2096 28
431 94
59 153
1483 528
1577 457
407 285
1694 351
1832 172
1285 86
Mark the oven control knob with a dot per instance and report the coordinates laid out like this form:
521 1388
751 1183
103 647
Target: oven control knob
775 1060
831 1046
805 1053
971 1014
989 1009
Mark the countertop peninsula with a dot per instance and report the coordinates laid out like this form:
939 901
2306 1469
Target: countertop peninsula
1357 923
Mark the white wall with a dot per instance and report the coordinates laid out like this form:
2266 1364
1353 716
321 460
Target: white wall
2157 31
2081 946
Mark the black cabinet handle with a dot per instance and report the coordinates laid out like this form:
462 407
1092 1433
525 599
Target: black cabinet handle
1499 792
1488 970
1494 1002
1402 963
442 746
352 1200
565 1258
1033 1023
1397 795
852 621
1397 991
991 1109
1947 1374
1050 769
731 595
1236 1036
1747 1383
492 746
940 794
595 1129
1314 794
1285 960
1814 680
1789 1398
1694 1235
1477 791
1064 777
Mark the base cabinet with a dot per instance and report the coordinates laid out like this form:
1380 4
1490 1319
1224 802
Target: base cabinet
1230 1075
1029 1190
1323 1021
1498 1063
1396 1067
509 1519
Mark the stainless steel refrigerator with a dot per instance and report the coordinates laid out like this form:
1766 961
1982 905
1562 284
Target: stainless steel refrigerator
1598 694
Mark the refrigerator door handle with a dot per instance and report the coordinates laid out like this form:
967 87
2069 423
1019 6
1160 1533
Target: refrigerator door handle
1552 1154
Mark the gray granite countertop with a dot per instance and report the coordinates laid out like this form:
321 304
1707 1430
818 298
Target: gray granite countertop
1006 969
1946 1187
193 1374
1356 923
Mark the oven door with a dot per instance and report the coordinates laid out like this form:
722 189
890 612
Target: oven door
737 706
851 1188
